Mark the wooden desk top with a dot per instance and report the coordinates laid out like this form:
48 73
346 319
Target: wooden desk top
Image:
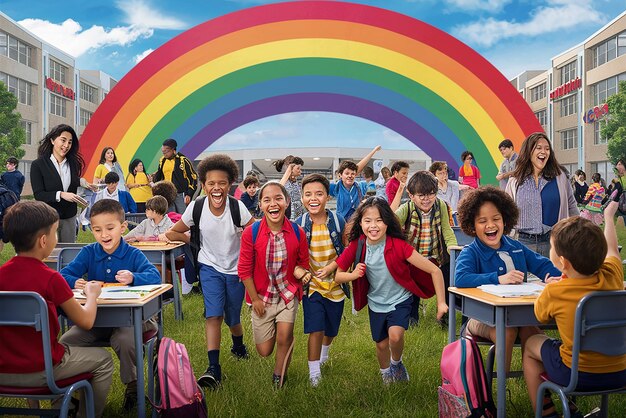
135 301
488 298
157 245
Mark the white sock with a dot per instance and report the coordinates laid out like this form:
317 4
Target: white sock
314 368
324 356
186 287
385 371
395 362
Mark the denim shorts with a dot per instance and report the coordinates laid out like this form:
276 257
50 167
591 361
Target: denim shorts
321 314
399 316
223 295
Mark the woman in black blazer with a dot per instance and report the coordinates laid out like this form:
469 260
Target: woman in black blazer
55 177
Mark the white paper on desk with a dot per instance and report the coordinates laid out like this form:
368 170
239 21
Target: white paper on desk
512 290
121 292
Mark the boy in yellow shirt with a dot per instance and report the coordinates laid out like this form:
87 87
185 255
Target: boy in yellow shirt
589 262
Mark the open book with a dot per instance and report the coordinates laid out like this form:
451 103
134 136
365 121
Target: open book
122 292
512 290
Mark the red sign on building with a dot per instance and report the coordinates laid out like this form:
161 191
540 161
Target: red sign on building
60 89
566 88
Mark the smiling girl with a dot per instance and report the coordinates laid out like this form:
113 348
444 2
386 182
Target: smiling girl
542 192
382 275
273 263
488 214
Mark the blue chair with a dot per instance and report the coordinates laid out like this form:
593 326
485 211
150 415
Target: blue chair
28 309
599 326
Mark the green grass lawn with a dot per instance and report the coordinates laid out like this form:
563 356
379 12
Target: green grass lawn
351 384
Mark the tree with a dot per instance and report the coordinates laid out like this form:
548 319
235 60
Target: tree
614 128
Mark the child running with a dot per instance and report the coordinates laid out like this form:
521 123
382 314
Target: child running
590 262
323 299
489 214
273 263
382 280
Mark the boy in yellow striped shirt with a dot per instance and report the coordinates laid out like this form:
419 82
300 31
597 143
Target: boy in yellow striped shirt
323 300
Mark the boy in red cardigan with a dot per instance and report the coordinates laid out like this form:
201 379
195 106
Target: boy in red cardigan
273 264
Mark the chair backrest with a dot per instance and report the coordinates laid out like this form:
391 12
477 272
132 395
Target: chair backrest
600 326
66 256
135 218
28 309
461 237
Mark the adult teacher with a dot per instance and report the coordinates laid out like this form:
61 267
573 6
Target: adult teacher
56 174
175 167
542 192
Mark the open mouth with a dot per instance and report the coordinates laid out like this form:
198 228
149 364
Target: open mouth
314 205
491 234
273 213
542 158
217 198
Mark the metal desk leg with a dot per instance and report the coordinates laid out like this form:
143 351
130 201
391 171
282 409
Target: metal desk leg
141 395
451 301
501 360
163 268
178 309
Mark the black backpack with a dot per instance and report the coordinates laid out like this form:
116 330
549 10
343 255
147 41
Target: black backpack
194 243
7 199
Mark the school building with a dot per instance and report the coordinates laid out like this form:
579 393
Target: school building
50 90
569 98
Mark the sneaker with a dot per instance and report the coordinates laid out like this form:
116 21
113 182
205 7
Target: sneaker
186 287
323 360
276 381
399 373
315 380
212 377
130 396
240 352
387 378
443 322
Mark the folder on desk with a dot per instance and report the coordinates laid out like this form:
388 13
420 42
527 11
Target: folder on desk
512 290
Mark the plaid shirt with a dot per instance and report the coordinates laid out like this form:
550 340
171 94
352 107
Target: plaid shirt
276 256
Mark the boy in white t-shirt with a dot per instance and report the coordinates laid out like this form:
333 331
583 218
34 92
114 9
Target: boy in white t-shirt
218 257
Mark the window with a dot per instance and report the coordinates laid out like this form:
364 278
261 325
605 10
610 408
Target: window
88 93
541 117
605 168
57 71
15 49
538 93
569 139
85 116
609 49
57 105
28 127
21 89
597 136
568 105
568 72
606 88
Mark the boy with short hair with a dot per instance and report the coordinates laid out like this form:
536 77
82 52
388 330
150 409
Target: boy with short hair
508 165
153 228
589 262
31 227
250 197
13 178
368 182
323 300
399 174
112 179
348 193
217 258
111 260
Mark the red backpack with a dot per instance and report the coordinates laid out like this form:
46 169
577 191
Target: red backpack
180 395
464 391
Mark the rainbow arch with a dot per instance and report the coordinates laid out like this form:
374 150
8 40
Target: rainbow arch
311 56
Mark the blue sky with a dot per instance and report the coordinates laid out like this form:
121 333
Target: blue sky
113 35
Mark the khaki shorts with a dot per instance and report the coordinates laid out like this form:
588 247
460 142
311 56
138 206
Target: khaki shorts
478 329
264 328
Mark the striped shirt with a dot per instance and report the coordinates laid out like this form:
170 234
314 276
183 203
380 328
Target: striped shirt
528 199
321 253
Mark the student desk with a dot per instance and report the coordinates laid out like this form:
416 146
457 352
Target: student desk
158 253
501 313
132 313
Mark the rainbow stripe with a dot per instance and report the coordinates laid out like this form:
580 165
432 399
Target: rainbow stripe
312 56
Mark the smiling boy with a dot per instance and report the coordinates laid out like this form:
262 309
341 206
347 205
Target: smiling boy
111 260
217 259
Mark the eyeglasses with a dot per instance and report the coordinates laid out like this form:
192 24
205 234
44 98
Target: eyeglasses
426 196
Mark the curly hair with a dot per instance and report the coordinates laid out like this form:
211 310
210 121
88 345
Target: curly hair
389 218
74 158
524 167
221 162
166 189
474 199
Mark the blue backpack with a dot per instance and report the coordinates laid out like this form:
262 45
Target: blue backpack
255 230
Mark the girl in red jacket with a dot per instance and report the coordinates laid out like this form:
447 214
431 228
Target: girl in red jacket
383 276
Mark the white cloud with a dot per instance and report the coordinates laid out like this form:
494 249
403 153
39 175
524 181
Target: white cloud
257 137
482 5
70 37
141 14
556 16
144 54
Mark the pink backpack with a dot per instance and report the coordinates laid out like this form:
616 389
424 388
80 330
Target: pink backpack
464 391
180 394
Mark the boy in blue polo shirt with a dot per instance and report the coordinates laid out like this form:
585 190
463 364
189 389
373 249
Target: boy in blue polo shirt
348 192
111 260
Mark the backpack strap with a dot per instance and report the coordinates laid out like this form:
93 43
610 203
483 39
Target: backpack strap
235 213
194 243
359 252
257 225
296 229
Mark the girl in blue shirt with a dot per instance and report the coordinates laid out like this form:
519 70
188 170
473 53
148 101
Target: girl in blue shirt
489 214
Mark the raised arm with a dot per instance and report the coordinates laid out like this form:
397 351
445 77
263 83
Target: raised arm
287 174
361 164
395 204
